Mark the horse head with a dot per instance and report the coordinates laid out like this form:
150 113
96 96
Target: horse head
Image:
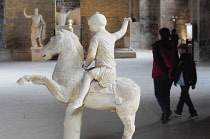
67 42
54 46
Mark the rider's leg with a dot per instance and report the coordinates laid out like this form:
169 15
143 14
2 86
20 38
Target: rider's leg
83 90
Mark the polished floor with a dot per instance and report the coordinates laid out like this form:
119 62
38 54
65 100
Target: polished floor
30 112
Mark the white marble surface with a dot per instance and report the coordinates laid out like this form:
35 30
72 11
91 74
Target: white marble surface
70 85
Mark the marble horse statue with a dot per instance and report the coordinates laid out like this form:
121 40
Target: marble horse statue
122 97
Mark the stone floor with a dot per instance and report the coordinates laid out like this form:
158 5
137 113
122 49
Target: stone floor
30 112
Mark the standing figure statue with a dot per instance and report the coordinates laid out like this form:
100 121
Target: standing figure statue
101 50
62 16
38 28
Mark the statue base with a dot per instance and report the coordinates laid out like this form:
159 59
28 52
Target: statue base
124 53
36 54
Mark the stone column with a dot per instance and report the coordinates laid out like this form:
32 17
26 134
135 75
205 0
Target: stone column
201 19
5 54
2 25
149 20
195 15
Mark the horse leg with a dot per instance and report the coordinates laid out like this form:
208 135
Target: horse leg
129 124
73 122
55 89
35 79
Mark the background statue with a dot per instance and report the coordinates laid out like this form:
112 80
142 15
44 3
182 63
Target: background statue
38 28
75 16
61 16
122 95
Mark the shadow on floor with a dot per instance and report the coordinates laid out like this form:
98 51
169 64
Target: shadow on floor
194 129
111 136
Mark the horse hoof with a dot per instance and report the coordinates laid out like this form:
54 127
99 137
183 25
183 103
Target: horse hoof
21 81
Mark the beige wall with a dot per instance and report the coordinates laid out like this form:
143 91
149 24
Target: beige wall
114 10
18 27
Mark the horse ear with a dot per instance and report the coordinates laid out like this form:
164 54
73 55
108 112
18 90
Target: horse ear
60 34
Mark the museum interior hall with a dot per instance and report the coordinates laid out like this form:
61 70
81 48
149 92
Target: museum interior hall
45 46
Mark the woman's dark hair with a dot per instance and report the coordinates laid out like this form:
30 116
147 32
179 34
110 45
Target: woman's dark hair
173 31
164 33
183 47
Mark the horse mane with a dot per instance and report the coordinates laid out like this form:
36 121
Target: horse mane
77 44
68 69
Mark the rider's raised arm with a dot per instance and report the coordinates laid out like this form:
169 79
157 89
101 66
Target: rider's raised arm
92 50
119 34
27 16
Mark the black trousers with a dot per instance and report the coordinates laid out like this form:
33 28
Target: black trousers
162 88
185 98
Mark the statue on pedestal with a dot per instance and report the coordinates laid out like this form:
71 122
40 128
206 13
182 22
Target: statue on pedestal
74 86
61 16
38 28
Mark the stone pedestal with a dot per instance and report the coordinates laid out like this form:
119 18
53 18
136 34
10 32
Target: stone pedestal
36 54
124 53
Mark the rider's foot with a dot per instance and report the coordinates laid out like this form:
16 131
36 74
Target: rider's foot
77 104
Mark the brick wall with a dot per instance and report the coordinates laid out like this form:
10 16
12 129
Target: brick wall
18 27
114 10
2 26
135 9
179 8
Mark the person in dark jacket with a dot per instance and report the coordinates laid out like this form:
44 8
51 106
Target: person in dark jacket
186 77
165 59
174 37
